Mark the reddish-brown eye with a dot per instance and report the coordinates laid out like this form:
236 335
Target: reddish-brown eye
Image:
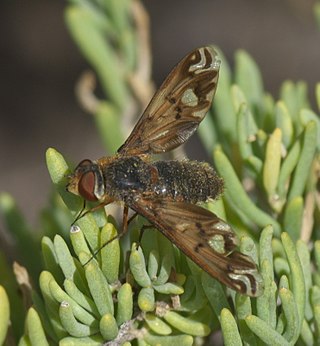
84 163
86 186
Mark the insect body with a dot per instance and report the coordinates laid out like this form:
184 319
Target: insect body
188 181
167 192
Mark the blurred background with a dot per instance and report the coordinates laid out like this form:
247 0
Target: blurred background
40 65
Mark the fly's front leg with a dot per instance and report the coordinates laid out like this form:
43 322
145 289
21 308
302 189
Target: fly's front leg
80 214
84 212
125 224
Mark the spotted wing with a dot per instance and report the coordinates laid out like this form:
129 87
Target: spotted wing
178 107
206 239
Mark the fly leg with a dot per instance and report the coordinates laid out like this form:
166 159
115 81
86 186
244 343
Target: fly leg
84 212
143 228
125 224
80 214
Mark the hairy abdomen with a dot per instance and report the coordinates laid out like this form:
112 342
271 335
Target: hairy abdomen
189 181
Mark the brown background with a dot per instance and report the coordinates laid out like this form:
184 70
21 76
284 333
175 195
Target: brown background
40 65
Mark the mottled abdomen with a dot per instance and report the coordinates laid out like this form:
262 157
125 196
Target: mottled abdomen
189 181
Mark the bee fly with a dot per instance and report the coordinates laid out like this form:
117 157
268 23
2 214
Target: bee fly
167 192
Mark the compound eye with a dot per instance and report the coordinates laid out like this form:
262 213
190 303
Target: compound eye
84 163
86 186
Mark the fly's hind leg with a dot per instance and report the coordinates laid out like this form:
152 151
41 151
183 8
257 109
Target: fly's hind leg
143 228
125 223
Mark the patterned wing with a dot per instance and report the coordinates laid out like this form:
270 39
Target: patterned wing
206 239
178 107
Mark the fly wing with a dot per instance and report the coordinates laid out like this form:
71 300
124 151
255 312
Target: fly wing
178 107
206 239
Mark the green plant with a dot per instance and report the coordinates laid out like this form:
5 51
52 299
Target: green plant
268 153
